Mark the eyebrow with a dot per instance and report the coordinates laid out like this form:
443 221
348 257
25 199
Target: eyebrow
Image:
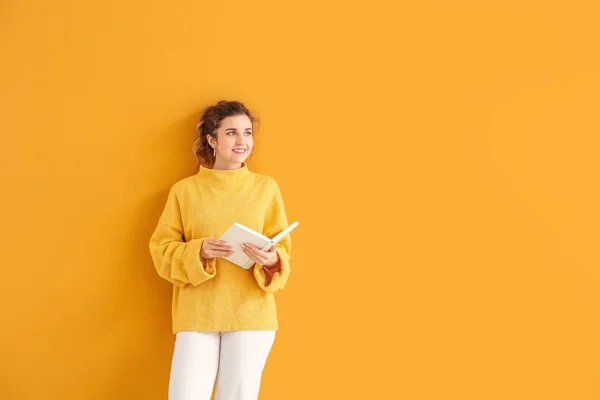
233 129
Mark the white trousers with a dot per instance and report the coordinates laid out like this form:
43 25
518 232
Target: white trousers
239 357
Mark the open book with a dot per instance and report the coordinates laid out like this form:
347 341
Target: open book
238 234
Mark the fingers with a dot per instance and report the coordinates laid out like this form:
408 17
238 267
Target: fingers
253 257
259 252
253 248
217 248
220 253
218 244
257 255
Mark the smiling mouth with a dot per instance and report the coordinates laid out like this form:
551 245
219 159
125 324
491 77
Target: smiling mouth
239 151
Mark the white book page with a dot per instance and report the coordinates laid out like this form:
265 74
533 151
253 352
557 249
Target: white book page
277 238
237 234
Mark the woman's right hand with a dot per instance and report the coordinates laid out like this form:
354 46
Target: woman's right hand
212 248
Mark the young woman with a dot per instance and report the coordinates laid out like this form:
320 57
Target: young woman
224 317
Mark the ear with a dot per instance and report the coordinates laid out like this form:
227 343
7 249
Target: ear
211 141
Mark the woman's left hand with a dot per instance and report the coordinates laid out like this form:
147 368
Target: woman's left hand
268 258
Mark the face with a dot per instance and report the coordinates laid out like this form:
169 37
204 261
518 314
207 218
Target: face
234 142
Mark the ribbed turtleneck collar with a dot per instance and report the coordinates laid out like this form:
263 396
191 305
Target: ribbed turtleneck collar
223 176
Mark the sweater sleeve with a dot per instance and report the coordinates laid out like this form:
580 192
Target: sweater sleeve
275 222
176 260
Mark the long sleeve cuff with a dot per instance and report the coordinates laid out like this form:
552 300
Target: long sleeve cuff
196 270
270 271
279 275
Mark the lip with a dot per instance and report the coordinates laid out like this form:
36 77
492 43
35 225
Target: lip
239 149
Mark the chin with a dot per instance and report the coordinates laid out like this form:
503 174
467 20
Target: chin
237 160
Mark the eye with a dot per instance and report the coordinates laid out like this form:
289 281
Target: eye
249 133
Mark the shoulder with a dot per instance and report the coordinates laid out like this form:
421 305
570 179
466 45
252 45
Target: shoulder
270 190
182 185
266 182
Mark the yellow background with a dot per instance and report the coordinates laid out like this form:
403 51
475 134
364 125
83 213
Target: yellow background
442 158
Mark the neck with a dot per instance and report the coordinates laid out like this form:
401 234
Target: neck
224 165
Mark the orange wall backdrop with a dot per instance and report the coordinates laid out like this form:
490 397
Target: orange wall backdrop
442 158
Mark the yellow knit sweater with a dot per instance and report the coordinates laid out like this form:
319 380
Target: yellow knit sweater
219 296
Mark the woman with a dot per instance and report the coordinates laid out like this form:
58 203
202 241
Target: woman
224 317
